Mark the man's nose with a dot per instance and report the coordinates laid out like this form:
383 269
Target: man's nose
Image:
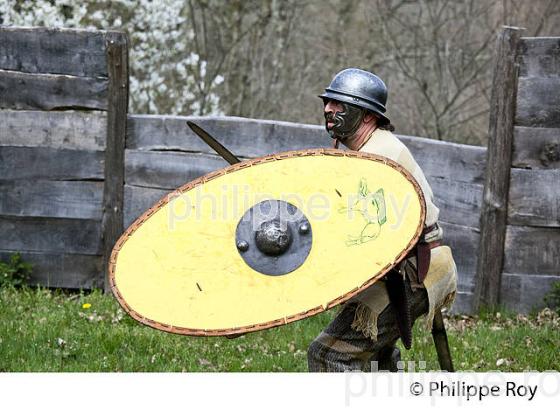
330 106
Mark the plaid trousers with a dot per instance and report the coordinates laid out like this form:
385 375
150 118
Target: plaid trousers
340 348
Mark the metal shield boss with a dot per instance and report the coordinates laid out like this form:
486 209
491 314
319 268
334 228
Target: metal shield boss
266 242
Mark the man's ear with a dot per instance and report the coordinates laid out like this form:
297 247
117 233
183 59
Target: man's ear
369 117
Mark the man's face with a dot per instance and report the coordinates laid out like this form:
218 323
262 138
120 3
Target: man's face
331 108
342 120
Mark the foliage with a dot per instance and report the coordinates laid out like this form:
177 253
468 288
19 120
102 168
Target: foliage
167 76
552 298
42 330
15 272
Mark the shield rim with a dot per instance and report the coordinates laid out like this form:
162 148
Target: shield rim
236 167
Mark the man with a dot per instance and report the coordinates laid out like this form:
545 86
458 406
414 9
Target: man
364 333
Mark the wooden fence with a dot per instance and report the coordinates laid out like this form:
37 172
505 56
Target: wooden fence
520 239
64 178
162 153
63 107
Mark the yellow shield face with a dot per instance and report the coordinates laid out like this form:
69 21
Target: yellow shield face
209 260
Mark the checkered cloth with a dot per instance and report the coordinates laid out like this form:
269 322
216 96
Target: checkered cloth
340 348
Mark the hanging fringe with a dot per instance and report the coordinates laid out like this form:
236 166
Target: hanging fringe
440 284
365 321
371 303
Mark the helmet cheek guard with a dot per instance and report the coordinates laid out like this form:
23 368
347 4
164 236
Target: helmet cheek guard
346 122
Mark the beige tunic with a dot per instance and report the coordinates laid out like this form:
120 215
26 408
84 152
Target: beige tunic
441 280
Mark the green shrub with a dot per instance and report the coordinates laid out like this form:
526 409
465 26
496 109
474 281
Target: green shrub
15 272
552 298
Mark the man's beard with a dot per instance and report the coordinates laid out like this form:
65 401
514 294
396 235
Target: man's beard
346 122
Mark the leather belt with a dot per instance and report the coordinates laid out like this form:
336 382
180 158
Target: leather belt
429 229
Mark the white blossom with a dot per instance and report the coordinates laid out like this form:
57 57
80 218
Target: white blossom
165 76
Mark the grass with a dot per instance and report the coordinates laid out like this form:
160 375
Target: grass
46 331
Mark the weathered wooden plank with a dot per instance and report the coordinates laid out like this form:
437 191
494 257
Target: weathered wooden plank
441 159
500 140
243 136
539 57
137 200
533 251
538 102
537 148
23 91
50 235
83 130
62 270
167 170
525 293
49 163
252 138
113 192
463 241
534 197
53 51
59 199
458 202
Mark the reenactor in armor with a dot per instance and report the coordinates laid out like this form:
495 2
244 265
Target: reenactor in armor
364 333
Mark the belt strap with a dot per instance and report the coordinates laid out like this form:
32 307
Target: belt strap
423 253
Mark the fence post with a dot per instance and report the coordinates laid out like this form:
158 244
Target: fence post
113 190
493 218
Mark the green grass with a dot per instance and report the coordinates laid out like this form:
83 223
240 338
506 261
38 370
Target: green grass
43 330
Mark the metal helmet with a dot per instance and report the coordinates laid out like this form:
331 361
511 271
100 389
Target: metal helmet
355 88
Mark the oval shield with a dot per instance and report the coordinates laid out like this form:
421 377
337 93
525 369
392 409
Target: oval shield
266 242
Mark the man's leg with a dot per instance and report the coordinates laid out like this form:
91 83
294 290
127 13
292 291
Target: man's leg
339 348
